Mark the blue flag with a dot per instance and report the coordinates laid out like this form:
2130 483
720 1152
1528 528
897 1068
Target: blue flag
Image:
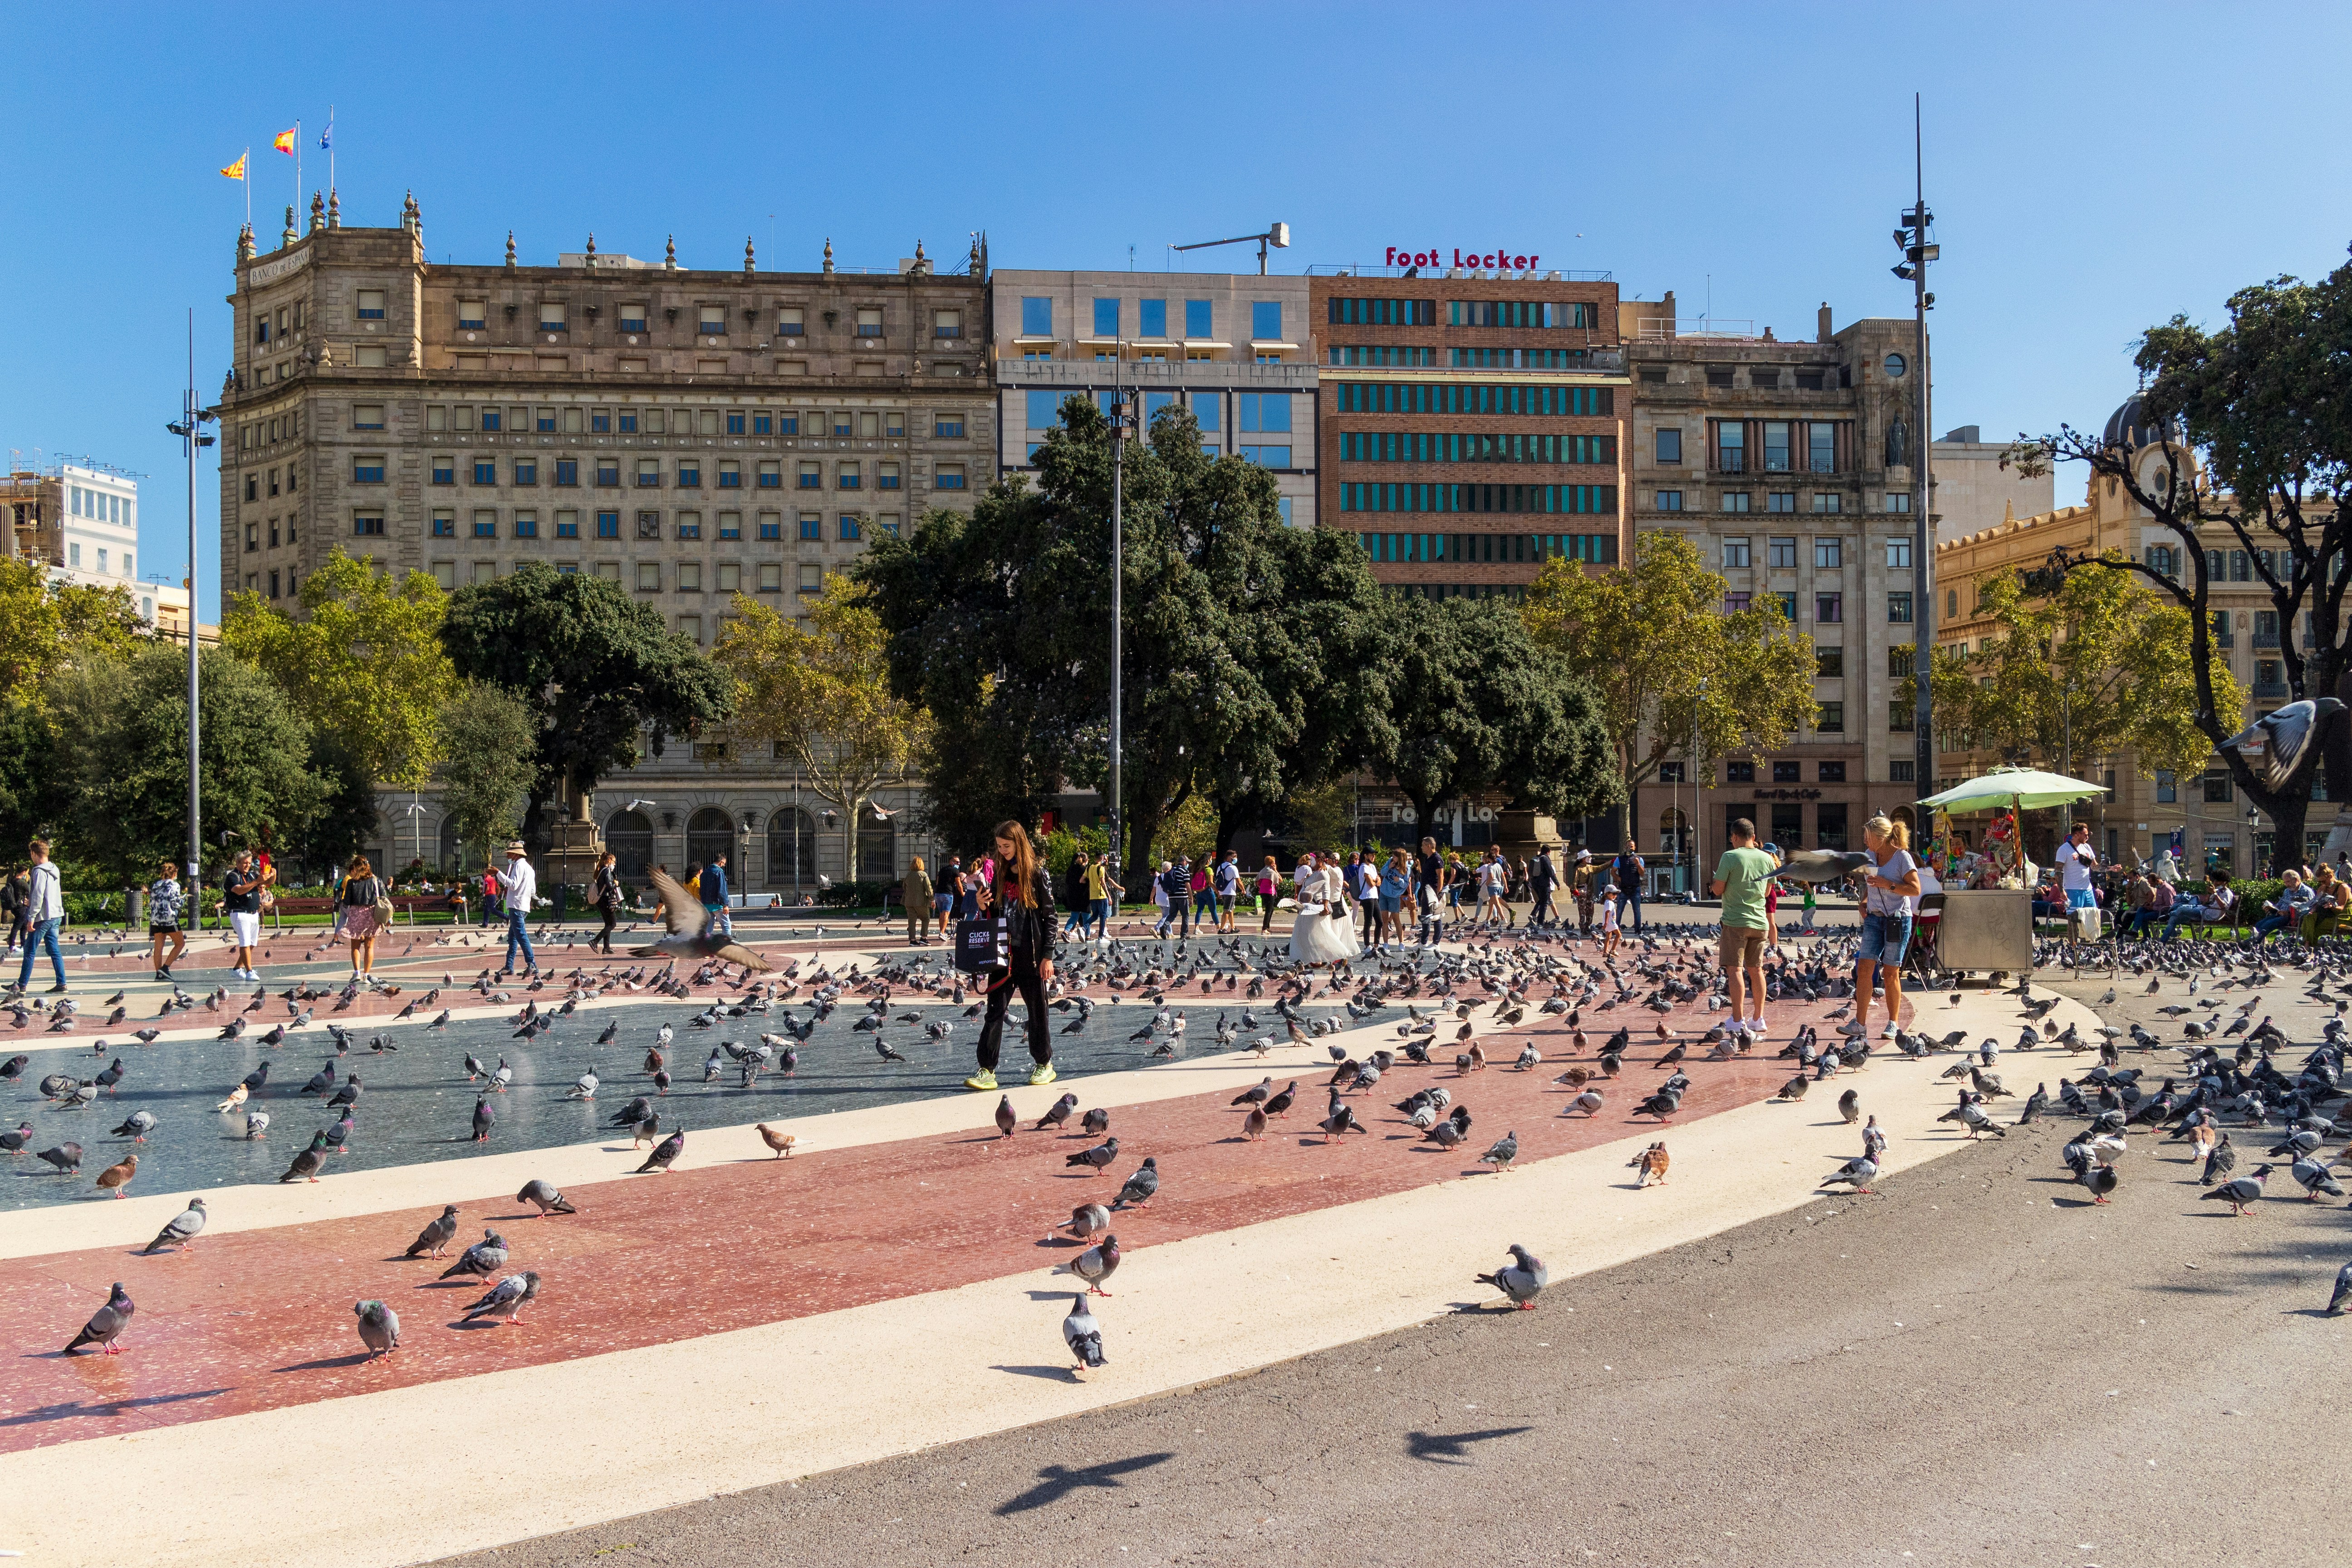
327 137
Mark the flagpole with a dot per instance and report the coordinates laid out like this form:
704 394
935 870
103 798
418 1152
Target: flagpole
331 148
298 165
245 178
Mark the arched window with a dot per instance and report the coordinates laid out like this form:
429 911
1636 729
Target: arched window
630 837
792 850
2160 558
709 833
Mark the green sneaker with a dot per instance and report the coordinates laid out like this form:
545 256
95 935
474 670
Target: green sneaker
983 1078
1042 1073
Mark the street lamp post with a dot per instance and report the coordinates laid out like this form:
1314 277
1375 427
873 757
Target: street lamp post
1917 252
1698 844
189 429
1122 421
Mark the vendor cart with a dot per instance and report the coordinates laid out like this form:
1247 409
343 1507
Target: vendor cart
1985 929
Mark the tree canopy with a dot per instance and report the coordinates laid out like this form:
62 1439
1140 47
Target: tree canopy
486 740
598 670
46 624
1663 660
364 663
1252 663
822 696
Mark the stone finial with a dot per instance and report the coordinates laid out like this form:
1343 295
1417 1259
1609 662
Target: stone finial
670 254
334 210
318 211
828 254
245 243
591 247
287 236
977 260
510 250
923 262
748 267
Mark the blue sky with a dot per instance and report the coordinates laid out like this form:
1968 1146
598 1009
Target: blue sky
2093 169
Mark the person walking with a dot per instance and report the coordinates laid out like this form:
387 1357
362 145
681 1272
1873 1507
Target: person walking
163 901
714 895
1024 893
1429 892
1542 878
943 895
1177 882
356 908
604 891
16 901
1629 872
2076 862
491 890
1890 897
1159 898
1228 889
1204 894
1075 898
1579 887
521 884
1395 887
1740 877
917 896
241 902
1494 889
44 909
1270 894
1610 933
1102 894
1364 886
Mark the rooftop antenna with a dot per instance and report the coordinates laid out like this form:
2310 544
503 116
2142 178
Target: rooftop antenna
1276 235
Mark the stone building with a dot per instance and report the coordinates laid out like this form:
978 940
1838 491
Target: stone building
2147 808
689 433
1789 466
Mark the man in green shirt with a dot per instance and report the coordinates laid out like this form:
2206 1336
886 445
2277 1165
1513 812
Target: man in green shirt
1740 877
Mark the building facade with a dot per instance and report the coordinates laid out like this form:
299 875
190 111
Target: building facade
81 520
688 433
2147 809
1234 348
1975 488
1788 466
1472 424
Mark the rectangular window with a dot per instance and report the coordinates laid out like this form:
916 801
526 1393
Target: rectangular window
485 471
730 525
689 576
1788 773
730 577
1265 411
367 469
812 578
791 321
648 525
1828 501
771 577
1902 772
486 523
1198 318
526 525
869 322
1780 501
947 427
1780 554
689 473
1898 555
812 525
735 424
633 318
1898 609
445 525
1829 554
1833 773
812 476
848 476
840 423
1670 500
1776 446
771 476
1045 410
1735 501
608 472
2219 788
850 531
689 525
1730 446
1829 608
526 470
367 415
730 473
1820 448
551 315
544 422
1899 662
368 524
648 576
1829 663
600 423
710 321
2167 788
567 471
1265 322
1740 773
627 421
886 476
1670 445
1737 602
1037 316
1267 457
1734 552
1788 605
1106 318
1898 500
444 472
608 525
567 525
370 304
1152 318
473 315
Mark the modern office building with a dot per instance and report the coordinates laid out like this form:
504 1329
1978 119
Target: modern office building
1787 464
689 433
1471 425
1234 348
81 520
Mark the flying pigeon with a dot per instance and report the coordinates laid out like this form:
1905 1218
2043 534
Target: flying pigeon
702 940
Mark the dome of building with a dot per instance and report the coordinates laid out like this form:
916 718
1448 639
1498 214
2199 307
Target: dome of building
2129 427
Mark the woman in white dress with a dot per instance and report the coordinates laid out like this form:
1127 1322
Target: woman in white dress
1329 934
1309 909
1335 939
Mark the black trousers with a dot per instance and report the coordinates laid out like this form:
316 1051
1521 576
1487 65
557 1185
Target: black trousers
604 936
1024 979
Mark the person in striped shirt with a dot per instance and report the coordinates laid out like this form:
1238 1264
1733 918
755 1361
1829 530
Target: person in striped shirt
163 902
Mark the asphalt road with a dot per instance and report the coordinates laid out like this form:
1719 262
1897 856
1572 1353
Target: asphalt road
1975 1366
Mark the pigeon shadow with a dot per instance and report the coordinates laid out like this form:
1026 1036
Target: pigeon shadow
1051 1373
1441 1449
324 1363
467 1325
72 1409
1057 1481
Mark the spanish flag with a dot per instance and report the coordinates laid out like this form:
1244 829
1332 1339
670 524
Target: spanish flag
237 170
285 140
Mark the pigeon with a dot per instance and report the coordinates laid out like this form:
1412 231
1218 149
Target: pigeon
484 1119
782 1142
436 1235
1085 1220
1505 1150
308 1162
1079 1331
2335 1302
665 1154
182 1229
1257 1095
1058 1114
1094 1265
379 1328
2312 1174
65 1157
116 1178
16 1142
507 1298
1280 1104
482 1259
1651 1162
584 1086
1096 1122
1850 1106
544 1195
1006 1123
136 1126
1098 1157
693 934
1521 1280
2098 1178
106 1325
2241 1191
1140 1188
1857 1174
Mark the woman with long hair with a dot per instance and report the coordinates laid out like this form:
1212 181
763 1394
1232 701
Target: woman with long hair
1269 893
1019 888
605 893
357 902
1890 897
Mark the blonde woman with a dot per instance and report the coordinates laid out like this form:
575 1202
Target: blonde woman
1890 898
357 905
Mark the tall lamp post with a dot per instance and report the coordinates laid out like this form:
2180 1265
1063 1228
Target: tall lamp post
1123 424
189 429
1917 252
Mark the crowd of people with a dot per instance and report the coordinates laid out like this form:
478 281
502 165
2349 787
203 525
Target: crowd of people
2160 900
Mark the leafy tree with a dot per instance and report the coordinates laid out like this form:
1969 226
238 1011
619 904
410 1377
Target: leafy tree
122 749
485 738
33 797
1476 706
822 696
598 670
1663 660
364 662
2252 437
46 624
1251 649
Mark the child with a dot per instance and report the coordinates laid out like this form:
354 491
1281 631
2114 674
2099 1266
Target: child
1806 925
1773 914
1609 935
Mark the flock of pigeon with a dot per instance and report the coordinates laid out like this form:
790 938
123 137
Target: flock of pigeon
1435 1000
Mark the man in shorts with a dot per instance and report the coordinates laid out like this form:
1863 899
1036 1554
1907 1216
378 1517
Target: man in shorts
241 902
2076 862
1228 889
1740 878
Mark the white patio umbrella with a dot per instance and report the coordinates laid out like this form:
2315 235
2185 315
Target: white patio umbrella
2027 789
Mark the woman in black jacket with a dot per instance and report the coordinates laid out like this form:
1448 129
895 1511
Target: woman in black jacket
605 894
1022 892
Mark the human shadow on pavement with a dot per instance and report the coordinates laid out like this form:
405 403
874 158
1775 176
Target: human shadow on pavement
1057 1481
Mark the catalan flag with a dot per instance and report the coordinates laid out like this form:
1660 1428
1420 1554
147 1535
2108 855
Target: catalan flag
237 170
285 140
